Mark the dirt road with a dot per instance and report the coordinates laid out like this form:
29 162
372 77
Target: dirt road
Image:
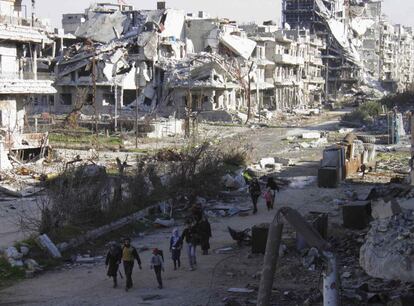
88 285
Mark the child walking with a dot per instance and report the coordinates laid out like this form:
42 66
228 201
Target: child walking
157 263
268 196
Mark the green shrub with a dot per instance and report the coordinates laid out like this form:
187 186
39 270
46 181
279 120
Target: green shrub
364 113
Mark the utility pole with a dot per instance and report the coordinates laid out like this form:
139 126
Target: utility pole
33 12
258 94
249 98
138 76
137 93
94 95
116 107
412 148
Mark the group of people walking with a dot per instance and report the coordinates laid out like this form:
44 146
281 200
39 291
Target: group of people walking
197 232
255 191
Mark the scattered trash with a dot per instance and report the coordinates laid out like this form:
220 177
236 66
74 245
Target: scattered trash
301 182
151 297
309 260
227 250
311 135
240 290
164 223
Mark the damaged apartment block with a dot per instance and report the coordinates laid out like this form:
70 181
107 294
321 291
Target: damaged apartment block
27 47
364 51
133 64
161 62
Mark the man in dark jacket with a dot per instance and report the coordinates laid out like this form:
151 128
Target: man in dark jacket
255 191
129 255
113 259
191 236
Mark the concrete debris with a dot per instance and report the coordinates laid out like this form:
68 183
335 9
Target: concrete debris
164 223
285 161
382 209
301 182
388 248
16 262
311 135
227 250
240 290
13 253
267 162
346 130
87 259
103 27
309 260
241 46
231 182
32 265
47 244
24 250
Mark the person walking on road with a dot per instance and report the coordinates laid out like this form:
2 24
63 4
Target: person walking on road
129 255
190 235
205 234
157 264
113 260
255 191
268 196
272 185
176 245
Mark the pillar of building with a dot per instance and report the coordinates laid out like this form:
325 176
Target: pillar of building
34 64
412 150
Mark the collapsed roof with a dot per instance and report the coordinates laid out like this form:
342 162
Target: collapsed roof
104 33
204 70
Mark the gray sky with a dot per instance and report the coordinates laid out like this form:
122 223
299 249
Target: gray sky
399 11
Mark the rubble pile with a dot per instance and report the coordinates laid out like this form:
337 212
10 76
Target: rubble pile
19 257
356 286
388 251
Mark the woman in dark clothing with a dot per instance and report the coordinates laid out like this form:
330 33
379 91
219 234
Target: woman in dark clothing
255 191
205 235
113 260
272 185
175 247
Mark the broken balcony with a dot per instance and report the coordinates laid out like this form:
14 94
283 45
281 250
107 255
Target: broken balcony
288 59
26 83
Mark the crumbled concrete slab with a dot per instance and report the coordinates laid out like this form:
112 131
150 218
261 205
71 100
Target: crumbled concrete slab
47 244
382 209
387 251
311 135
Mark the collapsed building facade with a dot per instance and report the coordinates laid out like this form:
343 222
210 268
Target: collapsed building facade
154 60
362 46
290 64
168 63
26 49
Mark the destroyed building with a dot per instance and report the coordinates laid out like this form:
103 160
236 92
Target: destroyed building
362 46
292 67
157 60
26 49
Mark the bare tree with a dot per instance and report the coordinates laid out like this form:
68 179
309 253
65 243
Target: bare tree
81 100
